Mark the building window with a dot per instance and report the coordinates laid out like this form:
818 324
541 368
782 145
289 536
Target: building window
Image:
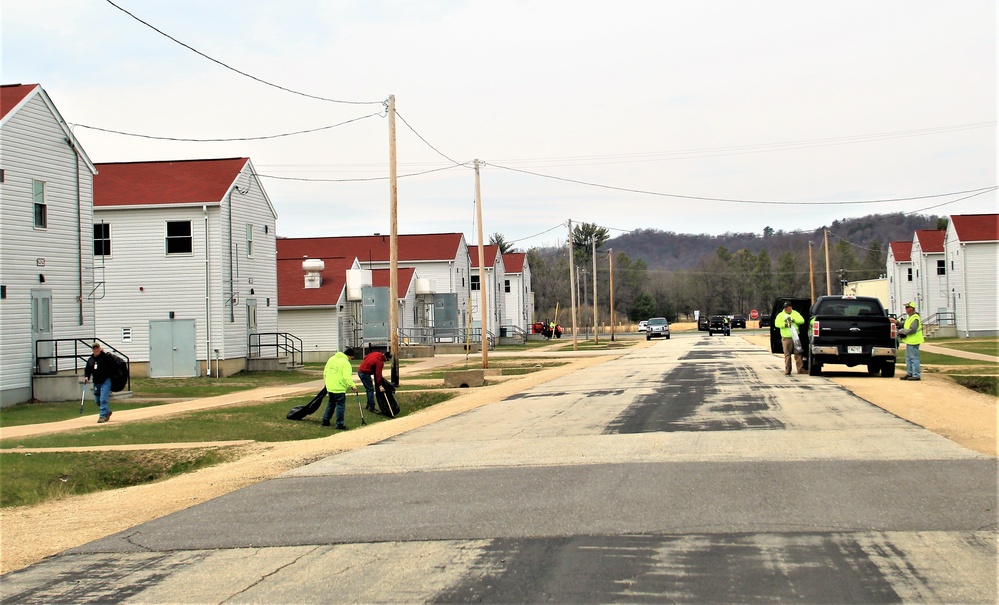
941 267
102 239
249 241
909 274
506 285
41 208
474 282
178 237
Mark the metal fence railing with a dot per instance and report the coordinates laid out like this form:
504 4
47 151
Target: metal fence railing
54 355
279 344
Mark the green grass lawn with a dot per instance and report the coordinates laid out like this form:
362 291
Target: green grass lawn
980 376
29 478
986 345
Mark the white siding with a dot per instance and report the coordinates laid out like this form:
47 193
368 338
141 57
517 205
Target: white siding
33 146
981 260
495 298
900 288
318 329
257 273
144 283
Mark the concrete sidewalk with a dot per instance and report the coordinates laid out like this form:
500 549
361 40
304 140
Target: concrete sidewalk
260 394
939 350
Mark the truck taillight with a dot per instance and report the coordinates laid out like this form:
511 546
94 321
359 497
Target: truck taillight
894 331
815 328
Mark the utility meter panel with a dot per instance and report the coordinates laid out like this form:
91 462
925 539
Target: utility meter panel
446 315
375 314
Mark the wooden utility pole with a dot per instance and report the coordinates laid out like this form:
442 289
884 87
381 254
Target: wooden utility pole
828 274
610 271
483 309
572 288
393 247
596 324
811 270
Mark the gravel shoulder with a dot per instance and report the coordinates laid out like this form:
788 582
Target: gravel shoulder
30 534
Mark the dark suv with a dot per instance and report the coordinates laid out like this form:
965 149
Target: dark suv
738 321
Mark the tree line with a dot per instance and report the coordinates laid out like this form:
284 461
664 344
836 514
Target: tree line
722 281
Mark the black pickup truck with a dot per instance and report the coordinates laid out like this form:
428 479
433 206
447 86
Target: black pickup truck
848 330
852 331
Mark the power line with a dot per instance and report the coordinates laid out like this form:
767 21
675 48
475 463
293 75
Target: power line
740 201
258 138
567 161
373 178
952 201
439 152
242 73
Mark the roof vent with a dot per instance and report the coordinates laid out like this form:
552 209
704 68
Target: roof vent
313 268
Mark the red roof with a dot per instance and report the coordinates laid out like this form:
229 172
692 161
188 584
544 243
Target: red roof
488 250
11 96
375 248
291 282
976 227
170 182
931 240
380 279
514 261
902 251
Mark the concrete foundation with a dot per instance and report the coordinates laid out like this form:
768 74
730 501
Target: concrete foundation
454 349
464 379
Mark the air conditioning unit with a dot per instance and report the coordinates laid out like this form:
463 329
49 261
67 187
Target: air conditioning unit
357 279
423 285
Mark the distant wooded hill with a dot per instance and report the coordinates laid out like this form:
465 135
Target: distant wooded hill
666 250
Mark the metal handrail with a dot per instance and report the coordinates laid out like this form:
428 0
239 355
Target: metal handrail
79 359
943 318
282 343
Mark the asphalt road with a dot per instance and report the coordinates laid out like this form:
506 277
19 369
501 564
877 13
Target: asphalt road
690 471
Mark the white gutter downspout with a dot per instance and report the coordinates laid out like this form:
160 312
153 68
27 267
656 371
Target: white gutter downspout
208 296
964 270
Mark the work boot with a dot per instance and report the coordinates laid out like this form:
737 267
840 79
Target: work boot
326 423
102 419
341 427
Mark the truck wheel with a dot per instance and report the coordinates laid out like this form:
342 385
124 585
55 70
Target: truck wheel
814 368
874 368
888 369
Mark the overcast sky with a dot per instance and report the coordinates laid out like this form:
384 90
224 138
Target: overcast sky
626 114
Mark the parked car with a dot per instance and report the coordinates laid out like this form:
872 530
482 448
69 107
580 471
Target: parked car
738 321
643 326
766 321
658 327
702 323
719 324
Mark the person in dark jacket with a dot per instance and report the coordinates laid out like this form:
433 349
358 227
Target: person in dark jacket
370 373
99 369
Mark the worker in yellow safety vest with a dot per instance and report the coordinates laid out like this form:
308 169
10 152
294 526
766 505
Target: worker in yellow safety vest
911 334
788 321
